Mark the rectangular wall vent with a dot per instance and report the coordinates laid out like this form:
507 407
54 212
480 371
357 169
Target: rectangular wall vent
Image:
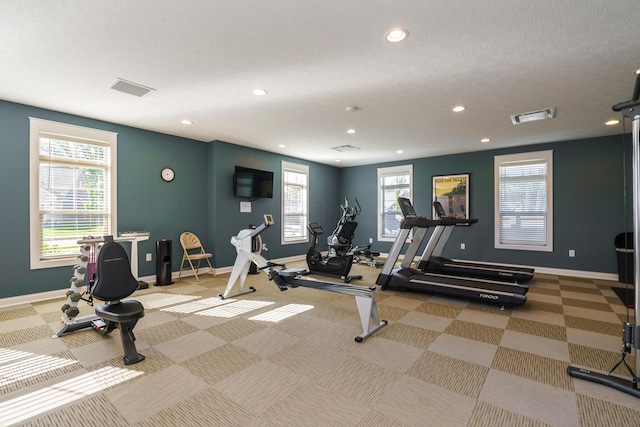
131 88
345 148
533 116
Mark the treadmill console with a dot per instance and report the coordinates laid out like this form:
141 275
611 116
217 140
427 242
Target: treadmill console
406 207
450 220
411 219
439 209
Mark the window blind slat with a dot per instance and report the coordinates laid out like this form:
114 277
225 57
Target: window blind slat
393 182
74 194
523 202
294 204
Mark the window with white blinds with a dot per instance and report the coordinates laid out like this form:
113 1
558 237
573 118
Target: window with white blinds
72 189
295 203
524 202
393 182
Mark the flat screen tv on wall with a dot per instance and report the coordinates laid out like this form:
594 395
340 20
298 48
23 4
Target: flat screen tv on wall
252 183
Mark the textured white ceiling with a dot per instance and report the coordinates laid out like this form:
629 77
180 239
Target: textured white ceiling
316 58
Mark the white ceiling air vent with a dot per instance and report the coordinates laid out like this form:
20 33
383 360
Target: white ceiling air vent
532 116
347 147
131 88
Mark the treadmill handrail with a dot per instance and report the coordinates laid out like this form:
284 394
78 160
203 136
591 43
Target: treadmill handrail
418 221
457 221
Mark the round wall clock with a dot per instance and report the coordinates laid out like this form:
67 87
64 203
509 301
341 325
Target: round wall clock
168 174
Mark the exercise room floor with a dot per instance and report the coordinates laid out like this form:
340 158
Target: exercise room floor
242 362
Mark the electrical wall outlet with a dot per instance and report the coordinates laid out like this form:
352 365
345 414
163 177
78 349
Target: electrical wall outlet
463 246
149 257
370 239
572 253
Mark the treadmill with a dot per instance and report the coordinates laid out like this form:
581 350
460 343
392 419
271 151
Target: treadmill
406 278
432 261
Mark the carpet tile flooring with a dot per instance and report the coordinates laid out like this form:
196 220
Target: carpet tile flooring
273 358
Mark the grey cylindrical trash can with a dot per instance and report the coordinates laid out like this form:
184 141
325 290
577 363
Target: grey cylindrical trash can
624 252
163 263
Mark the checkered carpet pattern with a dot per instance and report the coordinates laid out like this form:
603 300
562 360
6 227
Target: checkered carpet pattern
273 358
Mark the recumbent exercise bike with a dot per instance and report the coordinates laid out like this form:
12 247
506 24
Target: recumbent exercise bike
341 253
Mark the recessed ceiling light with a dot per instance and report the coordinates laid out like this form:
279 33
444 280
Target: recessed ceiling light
351 131
458 108
612 122
281 145
637 71
259 92
485 140
186 122
338 160
397 35
399 151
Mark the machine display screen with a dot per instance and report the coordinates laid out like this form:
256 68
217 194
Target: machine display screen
406 207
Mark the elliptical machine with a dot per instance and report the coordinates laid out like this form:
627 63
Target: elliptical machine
340 254
341 240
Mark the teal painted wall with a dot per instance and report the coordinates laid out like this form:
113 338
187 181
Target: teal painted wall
199 199
145 201
589 205
226 220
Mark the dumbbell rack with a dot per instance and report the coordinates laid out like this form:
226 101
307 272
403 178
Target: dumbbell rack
86 264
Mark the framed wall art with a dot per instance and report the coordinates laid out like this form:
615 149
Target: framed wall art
452 191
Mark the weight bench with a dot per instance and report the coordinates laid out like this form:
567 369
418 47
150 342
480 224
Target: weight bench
114 281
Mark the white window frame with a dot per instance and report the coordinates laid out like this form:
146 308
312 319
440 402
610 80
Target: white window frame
386 172
74 133
513 160
303 170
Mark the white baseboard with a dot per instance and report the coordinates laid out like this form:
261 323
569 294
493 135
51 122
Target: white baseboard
277 261
560 271
31 298
43 296
578 273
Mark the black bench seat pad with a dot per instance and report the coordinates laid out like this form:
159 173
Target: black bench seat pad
124 311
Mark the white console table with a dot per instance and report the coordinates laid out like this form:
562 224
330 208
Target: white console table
127 236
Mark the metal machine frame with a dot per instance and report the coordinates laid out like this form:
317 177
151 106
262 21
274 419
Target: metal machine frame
631 331
294 277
